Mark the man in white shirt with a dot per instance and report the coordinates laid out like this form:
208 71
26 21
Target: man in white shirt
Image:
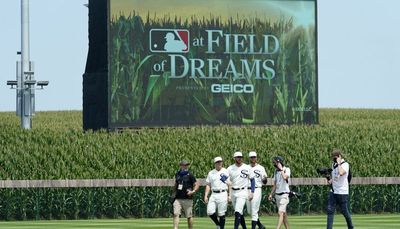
240 174
339 193
280 186
217 183
260 178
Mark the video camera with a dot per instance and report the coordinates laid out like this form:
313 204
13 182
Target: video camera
326 172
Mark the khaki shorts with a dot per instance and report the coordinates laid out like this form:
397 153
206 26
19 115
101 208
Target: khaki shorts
186 205
281 202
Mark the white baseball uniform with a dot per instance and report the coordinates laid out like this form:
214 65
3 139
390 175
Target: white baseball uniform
254 206
218 182
239 177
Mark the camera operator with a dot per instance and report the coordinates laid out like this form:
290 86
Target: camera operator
280 186
339 193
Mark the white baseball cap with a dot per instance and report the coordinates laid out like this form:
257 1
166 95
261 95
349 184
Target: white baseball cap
252 154
238 154
184 162
217 159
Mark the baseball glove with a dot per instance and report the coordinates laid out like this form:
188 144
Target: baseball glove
265 181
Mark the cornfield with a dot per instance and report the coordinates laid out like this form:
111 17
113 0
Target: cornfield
57 148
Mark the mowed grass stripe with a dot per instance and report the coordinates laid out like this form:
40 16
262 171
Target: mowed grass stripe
301 222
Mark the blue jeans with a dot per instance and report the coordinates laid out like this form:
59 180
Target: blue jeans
342 201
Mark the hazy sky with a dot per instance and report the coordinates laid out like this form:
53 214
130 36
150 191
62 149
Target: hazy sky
359 52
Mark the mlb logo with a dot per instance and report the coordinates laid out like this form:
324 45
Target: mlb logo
169 40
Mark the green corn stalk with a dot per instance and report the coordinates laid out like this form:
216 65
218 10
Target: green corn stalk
58 149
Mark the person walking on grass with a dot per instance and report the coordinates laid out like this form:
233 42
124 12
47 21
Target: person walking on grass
185 187
240 174
339 193
280 190
218 184
260 177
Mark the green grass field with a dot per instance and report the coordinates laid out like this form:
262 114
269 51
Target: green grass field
387 221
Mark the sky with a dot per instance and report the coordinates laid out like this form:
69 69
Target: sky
358 52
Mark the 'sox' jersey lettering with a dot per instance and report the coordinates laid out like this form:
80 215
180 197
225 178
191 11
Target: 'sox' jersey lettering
240 175
259 174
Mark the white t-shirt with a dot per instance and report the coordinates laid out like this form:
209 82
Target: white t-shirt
259 174
240 175
281 184
339 183
218 180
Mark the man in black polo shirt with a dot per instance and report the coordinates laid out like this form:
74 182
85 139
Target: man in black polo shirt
185 187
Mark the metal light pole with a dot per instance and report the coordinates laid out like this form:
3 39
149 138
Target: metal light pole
25 83
27 94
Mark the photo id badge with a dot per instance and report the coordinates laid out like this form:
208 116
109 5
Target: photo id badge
180 186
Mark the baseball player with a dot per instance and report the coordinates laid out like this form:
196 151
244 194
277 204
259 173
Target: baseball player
240 174
217 183
260 177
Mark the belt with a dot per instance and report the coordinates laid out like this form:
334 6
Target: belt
281 193
218 191
235 189
254 187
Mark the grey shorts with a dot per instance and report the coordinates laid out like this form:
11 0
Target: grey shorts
282 201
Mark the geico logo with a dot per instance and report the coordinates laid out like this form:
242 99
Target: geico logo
232 88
